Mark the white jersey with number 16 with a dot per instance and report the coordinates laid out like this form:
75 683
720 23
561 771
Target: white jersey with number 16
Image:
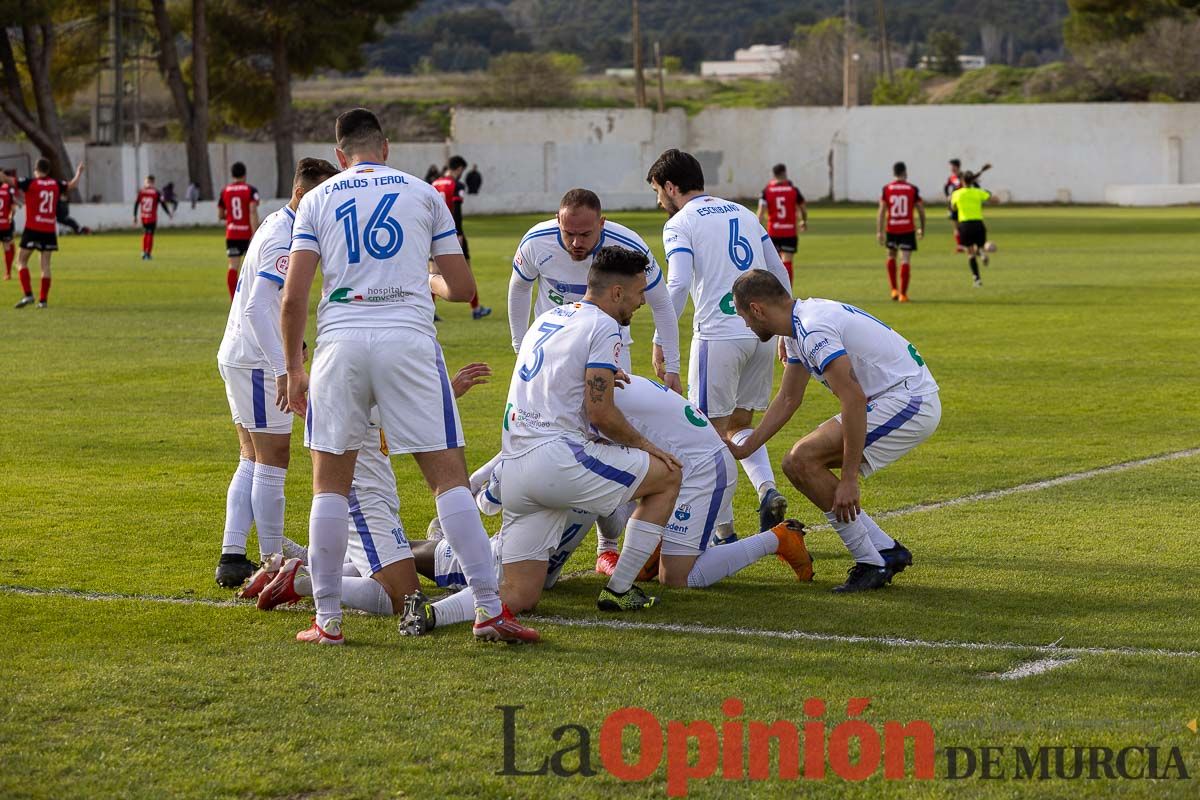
375 229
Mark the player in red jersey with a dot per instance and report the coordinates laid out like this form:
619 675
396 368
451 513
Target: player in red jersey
452 190
238 209
779 203
145 208
41 225
896 211
8 207
955 181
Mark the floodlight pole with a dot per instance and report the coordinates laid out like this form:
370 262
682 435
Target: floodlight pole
639 80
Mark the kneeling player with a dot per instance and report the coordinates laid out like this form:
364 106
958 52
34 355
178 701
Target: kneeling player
889 406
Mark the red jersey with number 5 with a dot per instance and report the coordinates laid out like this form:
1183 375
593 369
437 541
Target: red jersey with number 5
41 203
781 198
236 199
7 196
148 200
900 199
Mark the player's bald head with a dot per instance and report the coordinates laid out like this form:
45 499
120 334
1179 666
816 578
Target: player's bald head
359 133
758 286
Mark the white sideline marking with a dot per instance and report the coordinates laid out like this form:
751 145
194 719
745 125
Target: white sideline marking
1031 668
669 627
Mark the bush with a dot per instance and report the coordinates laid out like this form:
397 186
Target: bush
532 80
906 88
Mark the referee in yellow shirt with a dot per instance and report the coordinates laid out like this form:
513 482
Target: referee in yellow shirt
968 202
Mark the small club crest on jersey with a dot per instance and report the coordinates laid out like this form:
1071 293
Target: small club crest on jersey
281 265
683 513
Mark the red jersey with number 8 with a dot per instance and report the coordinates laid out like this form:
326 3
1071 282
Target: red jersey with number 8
900 198
41 203
236 199
781 198
7 194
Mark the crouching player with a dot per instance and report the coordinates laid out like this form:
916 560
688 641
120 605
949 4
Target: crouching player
688 557
889 405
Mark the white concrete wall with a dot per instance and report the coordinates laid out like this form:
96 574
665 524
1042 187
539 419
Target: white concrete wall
1041 153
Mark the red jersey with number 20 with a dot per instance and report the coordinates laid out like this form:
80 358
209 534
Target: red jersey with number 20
41 203
7 195
781 198
900 198
236 199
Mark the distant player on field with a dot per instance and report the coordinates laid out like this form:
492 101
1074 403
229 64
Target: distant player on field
145 209
556 256
452 190
952 183
900 203
778 206
251 363
374 230
889 405
238 208
41 225
8 208
968 202
709 243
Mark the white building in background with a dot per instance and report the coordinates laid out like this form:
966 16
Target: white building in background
755 61
968 63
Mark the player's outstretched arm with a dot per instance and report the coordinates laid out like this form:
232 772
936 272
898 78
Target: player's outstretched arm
921 214
783 406
774 264
842 382
603 413
665 355
293 317
453 280
71 184
879 221
520 299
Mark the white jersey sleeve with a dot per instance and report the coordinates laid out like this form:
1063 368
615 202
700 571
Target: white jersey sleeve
668 420
270 243
375 229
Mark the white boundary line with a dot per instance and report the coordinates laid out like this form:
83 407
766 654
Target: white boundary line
706 630
670 627
1031 668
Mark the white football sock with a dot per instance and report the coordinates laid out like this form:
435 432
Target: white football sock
454 609
327 536
878 538
464 533
294 550
266 498
608 529
366 594
302 583
640 540
857 539
238 512
716 563
757 465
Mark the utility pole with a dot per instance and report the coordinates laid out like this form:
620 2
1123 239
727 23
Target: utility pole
885 46
658 65
848 77
639 80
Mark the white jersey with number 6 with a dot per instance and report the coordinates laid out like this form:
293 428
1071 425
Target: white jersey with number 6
546 394
375 229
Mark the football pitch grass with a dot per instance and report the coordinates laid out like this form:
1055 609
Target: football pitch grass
128 673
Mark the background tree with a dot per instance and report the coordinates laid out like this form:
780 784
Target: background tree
944 49
192 106
532 80
812 75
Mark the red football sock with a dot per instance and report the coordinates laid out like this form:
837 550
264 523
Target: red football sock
147 242
45 290
475 300
891 268
904 278
957 241
26 286
231 278
8 262
791 278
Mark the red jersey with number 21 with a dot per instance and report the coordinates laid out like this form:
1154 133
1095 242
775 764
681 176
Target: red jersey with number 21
236 199
900 199
41 203
148 200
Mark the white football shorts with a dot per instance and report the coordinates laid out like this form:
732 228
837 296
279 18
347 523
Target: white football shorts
724 374
896 423
251 394
705 501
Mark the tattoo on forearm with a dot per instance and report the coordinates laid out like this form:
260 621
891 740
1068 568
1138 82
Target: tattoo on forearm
597 388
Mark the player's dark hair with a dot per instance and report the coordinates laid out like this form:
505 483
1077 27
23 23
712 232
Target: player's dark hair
899 168
678 167
970 178
150 178
779 170
615 265
580 198
954 162
42 165
311 172
358 130
756 286
456 162
238 170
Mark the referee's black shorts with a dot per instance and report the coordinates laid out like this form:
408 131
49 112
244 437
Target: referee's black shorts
972 232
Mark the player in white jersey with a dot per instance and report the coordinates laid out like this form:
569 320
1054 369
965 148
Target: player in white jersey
374 229
250 361
555 255
709 243
705 503
889 405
